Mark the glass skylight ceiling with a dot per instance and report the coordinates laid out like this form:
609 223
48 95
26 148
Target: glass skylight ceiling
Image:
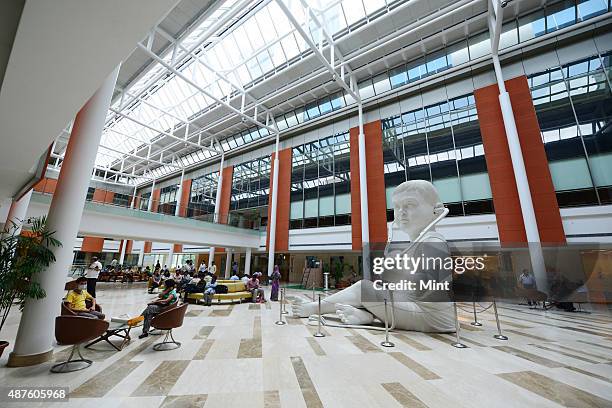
256 41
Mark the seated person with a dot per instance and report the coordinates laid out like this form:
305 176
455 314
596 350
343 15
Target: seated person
155 281
148 271
208 277
234 277
75 301
257 293
245 278
166 298
209 290
183 281
196 285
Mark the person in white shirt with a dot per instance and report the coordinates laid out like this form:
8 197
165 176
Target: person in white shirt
213 268
234 277
203 268
245 278
92 275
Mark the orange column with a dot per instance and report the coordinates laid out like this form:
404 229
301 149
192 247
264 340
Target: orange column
46 186
548 216
154 206
224 203
499 165
183 203
96 244
283 204
377 201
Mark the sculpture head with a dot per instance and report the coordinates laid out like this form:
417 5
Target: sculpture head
416 204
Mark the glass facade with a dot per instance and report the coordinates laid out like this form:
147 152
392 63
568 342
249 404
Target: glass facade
144 201
168 199
550 18
251 185
321 183
203 195
440 143
573 103
122 200
553 17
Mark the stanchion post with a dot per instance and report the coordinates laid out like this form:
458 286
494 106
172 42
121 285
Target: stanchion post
313 291
499 335
319 333
284 301
475 322
386 343
280 320
457 343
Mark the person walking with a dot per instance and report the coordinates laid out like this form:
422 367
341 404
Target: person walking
92 276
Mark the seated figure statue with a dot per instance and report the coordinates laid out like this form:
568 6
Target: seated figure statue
417 209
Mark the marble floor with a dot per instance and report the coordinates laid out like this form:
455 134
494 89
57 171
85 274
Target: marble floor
235 356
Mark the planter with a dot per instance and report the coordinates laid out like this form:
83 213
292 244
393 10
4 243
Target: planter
342 284
3 345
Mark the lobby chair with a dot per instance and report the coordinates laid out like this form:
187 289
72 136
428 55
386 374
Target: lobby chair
167 320
74 331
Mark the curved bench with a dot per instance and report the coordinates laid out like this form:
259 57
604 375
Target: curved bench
236 291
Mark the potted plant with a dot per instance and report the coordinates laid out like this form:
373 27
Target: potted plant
338 273
21 257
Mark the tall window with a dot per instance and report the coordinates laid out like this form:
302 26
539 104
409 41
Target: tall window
144 201
440 143
122 200
573 103
321 183
250 188
203 195
168 200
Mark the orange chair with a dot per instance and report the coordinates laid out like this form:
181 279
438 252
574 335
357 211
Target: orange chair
169 319
76 330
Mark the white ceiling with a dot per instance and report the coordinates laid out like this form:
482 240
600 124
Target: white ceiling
62 51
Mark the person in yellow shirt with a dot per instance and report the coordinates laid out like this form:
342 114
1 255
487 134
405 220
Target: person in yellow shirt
76 301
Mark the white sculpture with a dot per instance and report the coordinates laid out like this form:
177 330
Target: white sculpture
417 210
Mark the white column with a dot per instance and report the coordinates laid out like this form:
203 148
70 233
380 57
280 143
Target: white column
274 204
247 262
133 204
36 329
211 251
228 262
150 203
122 252
522 183
17 213
363 196
170 255
178 195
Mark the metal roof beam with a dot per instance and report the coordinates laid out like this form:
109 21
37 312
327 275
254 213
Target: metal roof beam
316 51
253 119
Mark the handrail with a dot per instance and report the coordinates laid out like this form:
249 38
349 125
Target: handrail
195 211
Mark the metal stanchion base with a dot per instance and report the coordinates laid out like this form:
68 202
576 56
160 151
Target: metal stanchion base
478 324
285 312
280 322
387 344
500 337
318 335
459 345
